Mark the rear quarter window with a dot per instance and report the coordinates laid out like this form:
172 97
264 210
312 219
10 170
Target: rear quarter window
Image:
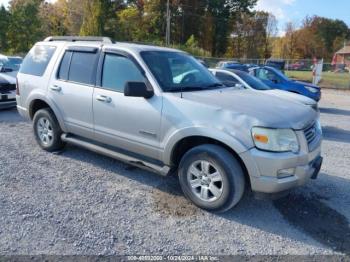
36 61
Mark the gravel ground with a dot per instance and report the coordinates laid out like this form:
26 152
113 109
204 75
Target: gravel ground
78 202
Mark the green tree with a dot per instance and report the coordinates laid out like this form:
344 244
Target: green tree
25 25
54 18
4 24
92 22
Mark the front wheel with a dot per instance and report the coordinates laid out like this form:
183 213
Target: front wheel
211 178
47 130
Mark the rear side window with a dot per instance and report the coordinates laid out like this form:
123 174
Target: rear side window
78 67
82 67
117 70
36 61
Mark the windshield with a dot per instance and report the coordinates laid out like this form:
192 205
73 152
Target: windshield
179 72
11 63
279 73
3 61
252 81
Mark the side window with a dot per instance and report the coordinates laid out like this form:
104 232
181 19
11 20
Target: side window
117 70
226 78
272 76
36 61
64 67
82 67
263 74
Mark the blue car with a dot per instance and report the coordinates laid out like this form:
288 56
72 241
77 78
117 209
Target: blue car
232 65
277 80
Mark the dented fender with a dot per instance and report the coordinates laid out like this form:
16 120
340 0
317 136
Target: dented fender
201 131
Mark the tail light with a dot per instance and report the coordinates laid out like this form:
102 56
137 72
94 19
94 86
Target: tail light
17 87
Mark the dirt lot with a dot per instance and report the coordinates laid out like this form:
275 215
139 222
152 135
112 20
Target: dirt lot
77 202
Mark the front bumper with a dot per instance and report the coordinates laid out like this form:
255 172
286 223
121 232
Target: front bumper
7 100
264 167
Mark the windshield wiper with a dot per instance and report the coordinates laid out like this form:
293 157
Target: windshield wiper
187 89
216 85
195 88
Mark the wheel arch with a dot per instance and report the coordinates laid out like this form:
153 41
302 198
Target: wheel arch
40 102
185 143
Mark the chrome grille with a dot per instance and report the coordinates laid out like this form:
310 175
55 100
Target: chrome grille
4 88
311 133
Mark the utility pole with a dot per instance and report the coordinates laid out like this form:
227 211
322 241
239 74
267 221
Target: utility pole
168 19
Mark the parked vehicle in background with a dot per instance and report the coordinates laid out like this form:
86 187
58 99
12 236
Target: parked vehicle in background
232 65
203 63
240 79
127 101
279 64
298 66
277 80
7 91
10 65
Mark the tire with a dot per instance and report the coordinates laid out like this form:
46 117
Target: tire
47 130
204 193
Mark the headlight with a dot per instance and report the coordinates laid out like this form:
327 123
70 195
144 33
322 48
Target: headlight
319 127
275 140
311 89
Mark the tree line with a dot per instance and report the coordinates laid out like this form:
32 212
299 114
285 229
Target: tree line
317 37
219 28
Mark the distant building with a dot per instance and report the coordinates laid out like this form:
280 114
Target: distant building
342 57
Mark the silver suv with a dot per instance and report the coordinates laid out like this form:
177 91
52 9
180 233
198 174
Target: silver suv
160 109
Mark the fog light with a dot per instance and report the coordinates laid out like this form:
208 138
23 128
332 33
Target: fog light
283 173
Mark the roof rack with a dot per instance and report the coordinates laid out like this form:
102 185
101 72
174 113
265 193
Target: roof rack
79 38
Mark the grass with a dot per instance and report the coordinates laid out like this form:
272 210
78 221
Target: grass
329 79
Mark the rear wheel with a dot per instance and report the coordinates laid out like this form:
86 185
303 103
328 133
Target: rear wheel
211 178
47 130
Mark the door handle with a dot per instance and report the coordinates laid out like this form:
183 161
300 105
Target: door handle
105 99
56 88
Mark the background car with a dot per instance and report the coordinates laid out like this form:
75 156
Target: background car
7 91
277 80
232 65
279 64
240 79
299 66
10 65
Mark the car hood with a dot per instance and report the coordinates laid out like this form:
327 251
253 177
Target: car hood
306 84
7 79
252 108
291 96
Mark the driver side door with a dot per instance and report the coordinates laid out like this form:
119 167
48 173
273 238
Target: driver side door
128 123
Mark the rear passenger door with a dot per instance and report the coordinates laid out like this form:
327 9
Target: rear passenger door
72 89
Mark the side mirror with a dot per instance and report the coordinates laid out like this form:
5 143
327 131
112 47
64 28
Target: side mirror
138 89
274 80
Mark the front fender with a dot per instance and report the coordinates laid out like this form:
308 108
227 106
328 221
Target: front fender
40 95
216 134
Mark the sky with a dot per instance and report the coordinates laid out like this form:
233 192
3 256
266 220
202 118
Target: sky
296 10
